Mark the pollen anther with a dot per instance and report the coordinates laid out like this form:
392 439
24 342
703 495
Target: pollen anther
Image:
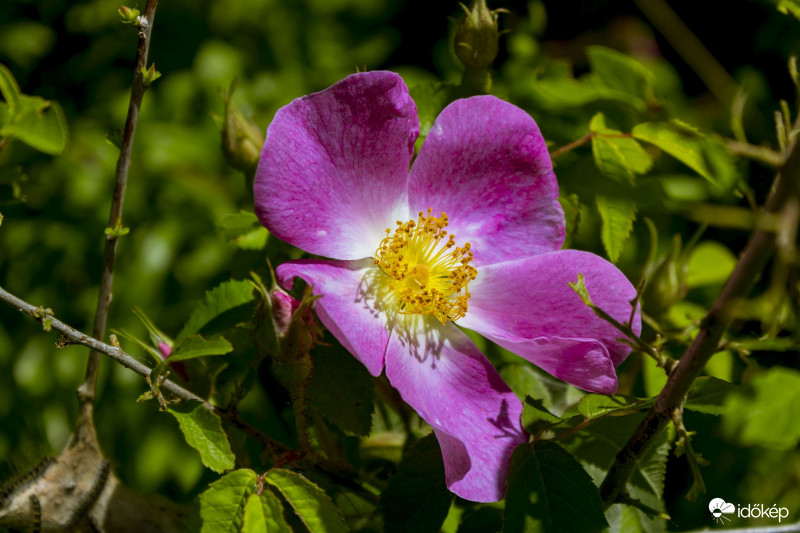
428 273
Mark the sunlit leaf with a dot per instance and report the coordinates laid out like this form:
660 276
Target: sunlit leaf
226 296
312 506
203 432
616 156
617 216
594 405
221 507
620 72
536 417
196 346
549 491
765 411
710 264
686 144
264 513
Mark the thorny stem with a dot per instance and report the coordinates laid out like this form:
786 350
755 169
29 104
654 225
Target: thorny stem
785 191
73 336
695 460
86 391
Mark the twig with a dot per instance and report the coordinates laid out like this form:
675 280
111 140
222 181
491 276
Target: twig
571 146
117 354
785 191
86 391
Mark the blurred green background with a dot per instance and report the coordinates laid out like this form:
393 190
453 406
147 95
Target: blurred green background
56 208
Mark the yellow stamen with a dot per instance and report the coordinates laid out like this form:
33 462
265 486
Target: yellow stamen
426 273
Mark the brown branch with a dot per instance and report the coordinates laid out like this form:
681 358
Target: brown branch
73 336
86 391
785 195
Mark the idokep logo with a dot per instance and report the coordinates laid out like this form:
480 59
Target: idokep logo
719 508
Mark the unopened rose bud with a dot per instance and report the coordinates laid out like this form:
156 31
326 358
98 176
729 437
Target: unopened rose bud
241 139
476 37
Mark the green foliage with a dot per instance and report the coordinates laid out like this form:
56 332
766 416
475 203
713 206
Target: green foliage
617 156
196 346
222 506
617 215
310 503
620 72
203 431
536 418
549 491
597 446
341 389
225 297
244 229
695 150
416 498
37 122
764 412
264 512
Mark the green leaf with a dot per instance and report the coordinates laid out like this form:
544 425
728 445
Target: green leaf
710 264
5 114
221 507
535 416
708 394
9 89
264 513
35 121
617 216
196 346
624 519
597 445
595 405
244 229
224 297
416 497
557 90
765 412
341 389
617 157
312 506
431 98
39 123
203 432
549 491
686 144
789 7
620 72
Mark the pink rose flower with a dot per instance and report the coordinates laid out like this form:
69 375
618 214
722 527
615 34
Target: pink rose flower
469 237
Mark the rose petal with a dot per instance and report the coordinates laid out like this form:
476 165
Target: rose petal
348 307
444 377
486 165
333 171
530 299
584 363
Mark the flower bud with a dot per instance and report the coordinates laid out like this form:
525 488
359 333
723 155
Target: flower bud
476 37
128 15
241 139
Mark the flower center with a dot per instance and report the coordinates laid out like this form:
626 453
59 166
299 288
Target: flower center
426 272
